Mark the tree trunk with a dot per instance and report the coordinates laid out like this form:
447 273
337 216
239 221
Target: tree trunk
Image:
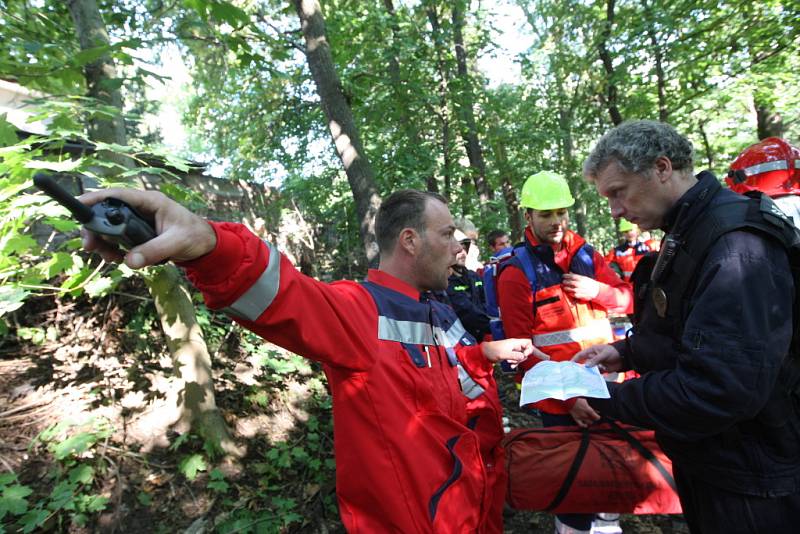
191 361
658 57
173 303
340 123
611 95
101 78
769 122
509 192
467 109
442 114
701 127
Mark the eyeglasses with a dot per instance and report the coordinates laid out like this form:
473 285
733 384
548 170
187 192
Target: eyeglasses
466 244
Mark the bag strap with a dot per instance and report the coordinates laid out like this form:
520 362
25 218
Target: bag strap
644 451
572 473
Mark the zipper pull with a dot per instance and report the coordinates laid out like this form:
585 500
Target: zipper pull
428 354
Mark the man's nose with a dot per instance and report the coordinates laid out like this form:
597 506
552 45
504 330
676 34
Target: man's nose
617 210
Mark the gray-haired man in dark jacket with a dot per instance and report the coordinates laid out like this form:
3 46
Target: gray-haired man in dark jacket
712 339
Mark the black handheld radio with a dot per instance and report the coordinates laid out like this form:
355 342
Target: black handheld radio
112 219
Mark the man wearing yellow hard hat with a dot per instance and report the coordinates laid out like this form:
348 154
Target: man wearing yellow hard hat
624 257
558 290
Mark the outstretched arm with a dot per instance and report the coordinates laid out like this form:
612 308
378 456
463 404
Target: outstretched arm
182 235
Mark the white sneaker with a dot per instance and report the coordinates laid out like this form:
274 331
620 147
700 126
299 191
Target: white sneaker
561 528
606 524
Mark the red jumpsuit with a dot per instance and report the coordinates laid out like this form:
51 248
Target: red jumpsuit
406 459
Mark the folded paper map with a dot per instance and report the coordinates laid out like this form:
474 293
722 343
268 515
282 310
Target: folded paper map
562 380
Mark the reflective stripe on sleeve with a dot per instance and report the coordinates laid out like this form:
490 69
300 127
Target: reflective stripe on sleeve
597 329
257 299
470 388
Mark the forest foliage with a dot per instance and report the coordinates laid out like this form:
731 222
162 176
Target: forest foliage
407 90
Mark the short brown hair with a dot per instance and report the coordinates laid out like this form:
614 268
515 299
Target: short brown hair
402 209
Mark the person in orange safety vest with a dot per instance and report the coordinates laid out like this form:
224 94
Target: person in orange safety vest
566 307
624 257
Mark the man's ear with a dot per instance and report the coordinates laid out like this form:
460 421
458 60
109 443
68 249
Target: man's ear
663 168
527 214
409 240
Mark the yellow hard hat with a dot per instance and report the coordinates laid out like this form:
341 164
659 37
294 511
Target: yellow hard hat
546 190
626 226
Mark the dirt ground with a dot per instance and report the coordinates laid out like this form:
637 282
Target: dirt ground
89 369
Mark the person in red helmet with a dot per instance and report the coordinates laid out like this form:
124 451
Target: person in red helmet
771 166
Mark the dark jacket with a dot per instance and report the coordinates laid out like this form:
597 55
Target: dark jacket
465 292
710 388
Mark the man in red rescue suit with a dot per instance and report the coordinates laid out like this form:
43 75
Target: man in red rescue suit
565 307
407 460
624 257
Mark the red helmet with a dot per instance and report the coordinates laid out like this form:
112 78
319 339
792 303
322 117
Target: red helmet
771 166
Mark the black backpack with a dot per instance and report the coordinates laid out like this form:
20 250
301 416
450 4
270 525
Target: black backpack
754 212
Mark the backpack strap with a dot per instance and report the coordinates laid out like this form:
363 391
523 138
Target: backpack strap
757 212
526 263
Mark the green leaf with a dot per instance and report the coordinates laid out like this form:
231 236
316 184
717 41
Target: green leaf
61 224
220 486
74 445
62 496
179 441
226 12
144 498
57 166
33 334
14 499
8 132
11 298
89 55
100 286
83 474
18 244
93 503
6 479
57 264
33 520
190 466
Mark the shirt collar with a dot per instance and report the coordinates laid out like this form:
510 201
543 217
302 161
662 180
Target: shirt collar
696 197
385 279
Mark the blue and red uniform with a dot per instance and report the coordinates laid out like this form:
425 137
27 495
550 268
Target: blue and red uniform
626 256
407 460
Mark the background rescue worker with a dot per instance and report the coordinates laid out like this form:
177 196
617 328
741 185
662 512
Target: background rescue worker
406 459
465 292
474 253
773 167
499 243
711 342
652 244
566 307
624 257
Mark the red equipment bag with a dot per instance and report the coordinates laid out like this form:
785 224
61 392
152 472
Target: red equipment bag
608 467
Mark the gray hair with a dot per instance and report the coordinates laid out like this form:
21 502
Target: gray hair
636 145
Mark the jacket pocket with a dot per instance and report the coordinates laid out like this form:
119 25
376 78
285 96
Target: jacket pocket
457 504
